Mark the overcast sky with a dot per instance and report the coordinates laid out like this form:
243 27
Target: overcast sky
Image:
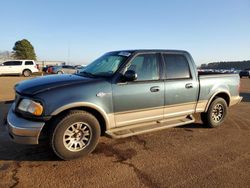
79 31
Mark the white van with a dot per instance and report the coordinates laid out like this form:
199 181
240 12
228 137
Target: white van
18 67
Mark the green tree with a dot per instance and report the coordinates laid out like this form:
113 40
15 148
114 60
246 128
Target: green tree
23 49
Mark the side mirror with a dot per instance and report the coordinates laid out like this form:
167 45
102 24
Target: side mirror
130 75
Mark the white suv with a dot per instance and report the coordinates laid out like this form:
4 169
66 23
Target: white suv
20 67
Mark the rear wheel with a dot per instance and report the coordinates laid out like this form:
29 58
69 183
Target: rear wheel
26 73
75 135
59 72
216 113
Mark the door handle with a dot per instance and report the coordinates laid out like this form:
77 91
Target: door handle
155 89
189 85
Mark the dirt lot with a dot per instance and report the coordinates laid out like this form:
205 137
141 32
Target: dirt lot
187 156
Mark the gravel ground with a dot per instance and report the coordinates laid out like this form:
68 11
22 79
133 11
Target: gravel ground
186 156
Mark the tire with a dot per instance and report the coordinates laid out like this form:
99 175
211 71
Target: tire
26 73
78 144
216 113
59 72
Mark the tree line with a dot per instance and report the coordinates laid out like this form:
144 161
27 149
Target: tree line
239 65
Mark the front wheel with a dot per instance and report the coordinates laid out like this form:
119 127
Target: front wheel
75 135
216 113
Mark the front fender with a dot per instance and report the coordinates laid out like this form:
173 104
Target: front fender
109 118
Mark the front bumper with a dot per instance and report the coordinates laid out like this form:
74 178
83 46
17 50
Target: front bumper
21 130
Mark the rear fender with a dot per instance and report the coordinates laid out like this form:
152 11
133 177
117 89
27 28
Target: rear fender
223 91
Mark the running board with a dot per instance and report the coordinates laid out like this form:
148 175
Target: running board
126 131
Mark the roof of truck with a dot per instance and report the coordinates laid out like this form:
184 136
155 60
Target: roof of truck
152 50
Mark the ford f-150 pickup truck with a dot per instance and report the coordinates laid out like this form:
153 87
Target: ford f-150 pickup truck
122 93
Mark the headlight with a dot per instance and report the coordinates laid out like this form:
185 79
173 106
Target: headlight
30 106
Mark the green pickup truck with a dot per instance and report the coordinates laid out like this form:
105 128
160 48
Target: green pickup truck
121 94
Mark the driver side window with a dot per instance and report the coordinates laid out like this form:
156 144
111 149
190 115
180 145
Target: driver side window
8 63
146 67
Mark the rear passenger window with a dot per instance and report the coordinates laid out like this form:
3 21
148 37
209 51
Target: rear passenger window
177 66
16 63
12 63
29 63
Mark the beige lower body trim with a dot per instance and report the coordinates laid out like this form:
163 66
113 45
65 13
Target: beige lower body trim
201 106
141 116
160 113
111 118
153 114
235 100
179 110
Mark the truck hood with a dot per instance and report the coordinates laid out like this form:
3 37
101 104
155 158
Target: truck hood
41 84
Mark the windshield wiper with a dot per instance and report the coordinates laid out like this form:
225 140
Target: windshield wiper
89 74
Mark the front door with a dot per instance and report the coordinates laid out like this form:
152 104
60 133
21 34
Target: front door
6 67
141 100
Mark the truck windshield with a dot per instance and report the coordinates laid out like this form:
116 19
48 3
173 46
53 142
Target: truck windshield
106 65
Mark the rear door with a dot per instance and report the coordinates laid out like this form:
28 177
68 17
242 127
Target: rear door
141 100
5 67
17 67
30 65
181 86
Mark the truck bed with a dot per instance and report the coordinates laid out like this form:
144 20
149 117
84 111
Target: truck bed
211 73
211 84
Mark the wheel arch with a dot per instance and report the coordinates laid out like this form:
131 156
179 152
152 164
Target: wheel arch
222 94
105 120
26 69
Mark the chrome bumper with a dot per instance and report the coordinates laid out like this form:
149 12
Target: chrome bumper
23 131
